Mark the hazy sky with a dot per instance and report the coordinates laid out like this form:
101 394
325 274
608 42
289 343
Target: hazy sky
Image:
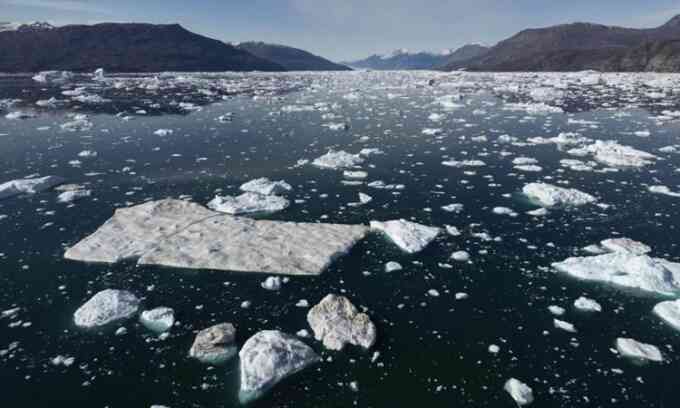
349 29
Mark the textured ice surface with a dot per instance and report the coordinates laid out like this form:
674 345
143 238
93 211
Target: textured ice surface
133 231
268 357
613 154
248 203
185 235
245 245
634 349
625 245
158 320
669 311
409 236
338 160
587 305
28 186
520 392
336 322
624 268
215 345
105 307
265 186
548 195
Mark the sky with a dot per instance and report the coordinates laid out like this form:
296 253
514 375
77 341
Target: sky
345 30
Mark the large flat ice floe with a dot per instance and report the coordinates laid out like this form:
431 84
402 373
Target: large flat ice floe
267 358
628 265
182 234
28 186
409 236
548 195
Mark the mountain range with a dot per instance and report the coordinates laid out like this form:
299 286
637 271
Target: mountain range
403 59
581 46
133 47
292 59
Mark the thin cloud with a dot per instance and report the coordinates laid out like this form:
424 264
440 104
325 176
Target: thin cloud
63 5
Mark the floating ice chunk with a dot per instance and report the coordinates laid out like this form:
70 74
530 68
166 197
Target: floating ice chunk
248 203
53 76
539 212
453 208
336 322
355 175
62 361
338 160
432 132
28 186
163 132
613 154
370 151
87 154
106 307
562 325
98 74
215 345
530 168
556 310
73 195
626 269
158 320
266 187
460 256
587 305
267 358
78 122
520 392
548 195
20 115
393 266
504 211
272 283
641 351
186 235
453 231
464 163
365 198
409 236
663 190
626 245
669 311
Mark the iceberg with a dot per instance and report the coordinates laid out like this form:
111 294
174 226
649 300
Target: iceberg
548 195
634 349
248 203
106 307
337 160
158 320
28 186
520 392
409 236
337 322
625 268
669 312
215 345
265 186
268 357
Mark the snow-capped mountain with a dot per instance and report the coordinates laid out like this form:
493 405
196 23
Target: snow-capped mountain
31 26
404 59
